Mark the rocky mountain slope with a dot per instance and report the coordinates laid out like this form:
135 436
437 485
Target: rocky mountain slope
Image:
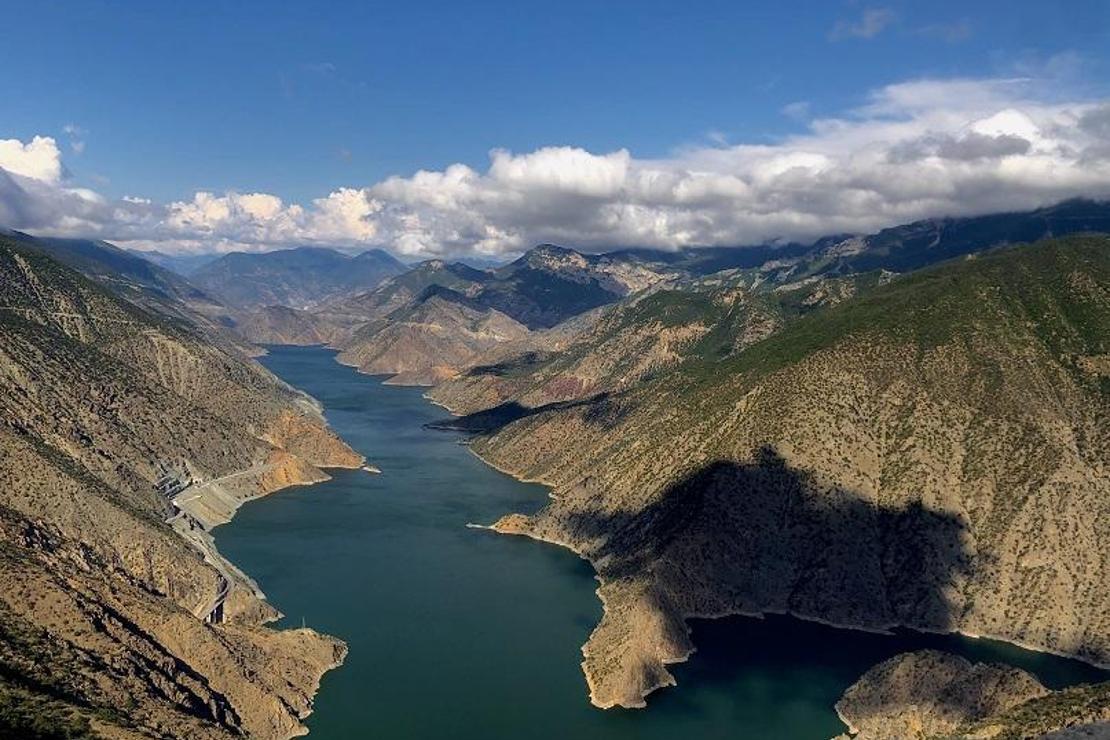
401 290
663 300
932 695
138 281
125 433
284 325
439 318
432 338
544 287
930 452
720 300
297 278
550 284
645 335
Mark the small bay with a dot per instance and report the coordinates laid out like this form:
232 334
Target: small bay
463 633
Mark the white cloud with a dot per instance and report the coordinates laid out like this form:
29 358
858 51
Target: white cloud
798 110
913 150
869 25
76 136
38 159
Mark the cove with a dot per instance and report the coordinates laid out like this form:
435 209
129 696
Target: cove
463 633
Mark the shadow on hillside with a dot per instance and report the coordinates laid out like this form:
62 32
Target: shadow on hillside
517 365
603 410
766 537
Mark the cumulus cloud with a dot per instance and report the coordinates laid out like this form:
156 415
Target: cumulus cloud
38 159
968 146
912 150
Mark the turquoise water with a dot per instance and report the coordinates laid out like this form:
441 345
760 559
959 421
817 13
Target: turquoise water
462 633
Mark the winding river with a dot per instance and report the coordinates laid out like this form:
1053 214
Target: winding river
463 633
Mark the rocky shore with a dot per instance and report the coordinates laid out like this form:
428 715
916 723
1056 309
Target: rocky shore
122 430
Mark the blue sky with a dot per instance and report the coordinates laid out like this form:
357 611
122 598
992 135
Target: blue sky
296 99
162 100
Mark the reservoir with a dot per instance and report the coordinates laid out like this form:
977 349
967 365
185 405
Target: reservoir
464 633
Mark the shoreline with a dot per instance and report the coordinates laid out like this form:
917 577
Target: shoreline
667 661
202 539
668 678
200 536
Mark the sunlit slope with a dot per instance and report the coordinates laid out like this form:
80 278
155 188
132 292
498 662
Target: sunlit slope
102 598
932 452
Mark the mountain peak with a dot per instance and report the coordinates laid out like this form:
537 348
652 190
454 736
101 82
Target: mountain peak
552 257
552 250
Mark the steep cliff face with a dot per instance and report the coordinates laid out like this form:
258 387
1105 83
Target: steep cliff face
109 416
930 453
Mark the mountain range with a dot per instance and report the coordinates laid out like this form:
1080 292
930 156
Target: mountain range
300 277
901 429
927 453
182 264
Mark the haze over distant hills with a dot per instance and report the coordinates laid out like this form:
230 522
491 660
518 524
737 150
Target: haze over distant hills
300 277
183 264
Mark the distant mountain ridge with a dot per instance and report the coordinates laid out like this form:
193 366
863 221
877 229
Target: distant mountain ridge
550 284
298 278
430 338
183 264
898 248
544 286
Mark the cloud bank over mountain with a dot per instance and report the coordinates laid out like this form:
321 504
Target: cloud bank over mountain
913 150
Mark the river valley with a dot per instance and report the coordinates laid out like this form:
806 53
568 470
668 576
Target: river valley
462 633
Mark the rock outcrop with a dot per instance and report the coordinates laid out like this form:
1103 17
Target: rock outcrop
931 695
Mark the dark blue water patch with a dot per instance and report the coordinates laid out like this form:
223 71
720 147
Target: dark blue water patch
463 633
